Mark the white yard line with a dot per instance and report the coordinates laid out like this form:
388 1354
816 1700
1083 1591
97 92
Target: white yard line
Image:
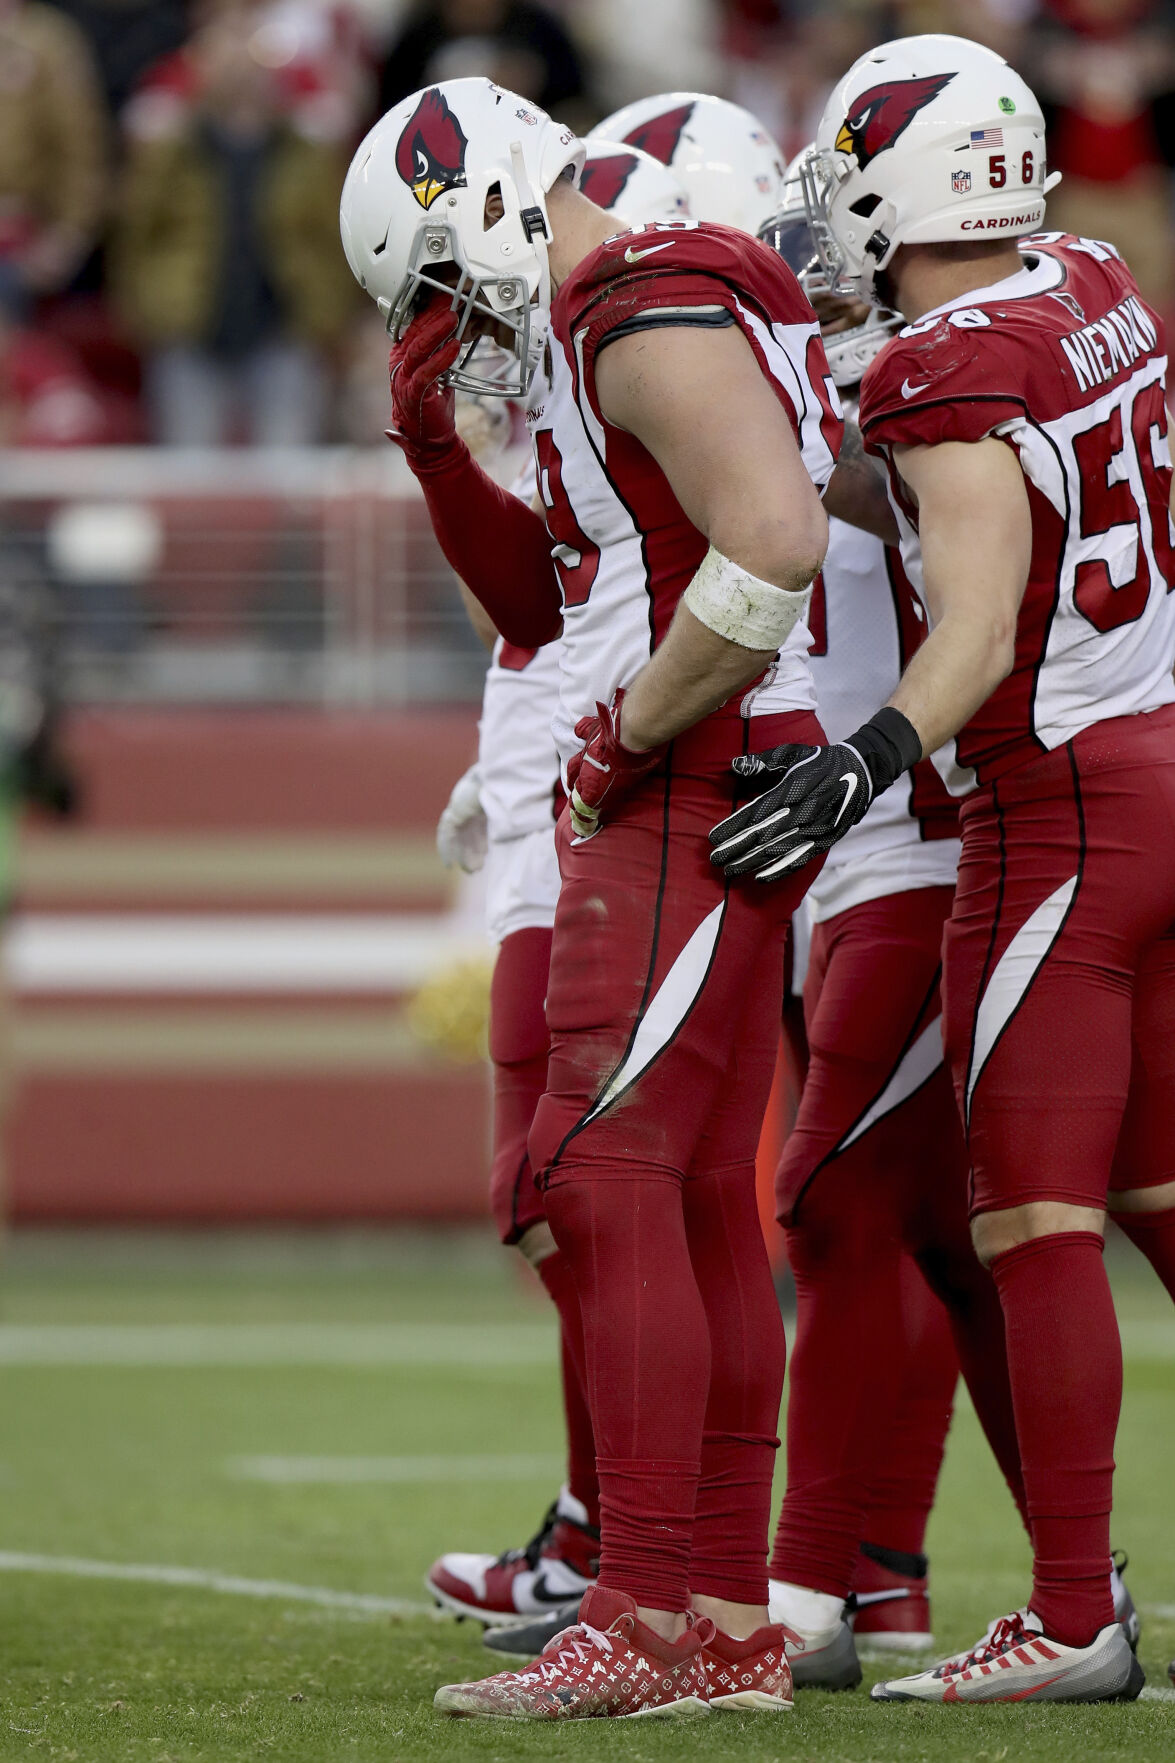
1153 1693
480 1344
483 1346
189 952
344 1470
197 1579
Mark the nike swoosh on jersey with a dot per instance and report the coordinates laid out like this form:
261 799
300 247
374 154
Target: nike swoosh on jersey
908 390
631 256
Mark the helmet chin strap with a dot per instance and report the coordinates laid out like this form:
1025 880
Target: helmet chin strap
534 221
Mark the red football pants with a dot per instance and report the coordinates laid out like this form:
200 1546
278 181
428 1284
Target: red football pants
1058 993
875 1170
1060 970
663 1006
519 1045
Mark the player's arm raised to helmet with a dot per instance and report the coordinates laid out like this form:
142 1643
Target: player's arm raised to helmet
698 401
975 525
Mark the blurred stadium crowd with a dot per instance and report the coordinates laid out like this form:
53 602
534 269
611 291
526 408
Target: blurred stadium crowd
169 171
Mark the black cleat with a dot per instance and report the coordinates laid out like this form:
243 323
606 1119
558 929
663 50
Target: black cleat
526 1640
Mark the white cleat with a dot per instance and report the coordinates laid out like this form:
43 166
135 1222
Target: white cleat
820 1648
1124 1610
1017 1662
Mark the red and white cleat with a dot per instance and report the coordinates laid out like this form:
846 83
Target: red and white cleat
890 1605
608 1666
749 1676
556 1567
1017 1662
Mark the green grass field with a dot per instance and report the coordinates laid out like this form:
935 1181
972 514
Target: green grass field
163 1407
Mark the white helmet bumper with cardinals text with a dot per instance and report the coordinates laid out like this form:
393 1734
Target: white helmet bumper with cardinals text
789 233
731 168
630 183
925 140
413 217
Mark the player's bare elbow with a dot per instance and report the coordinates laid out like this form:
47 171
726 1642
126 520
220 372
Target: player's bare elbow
1000 650
788 553
802 557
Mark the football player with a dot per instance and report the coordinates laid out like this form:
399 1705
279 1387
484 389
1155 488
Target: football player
503 813
1022 419
874 1171
684 426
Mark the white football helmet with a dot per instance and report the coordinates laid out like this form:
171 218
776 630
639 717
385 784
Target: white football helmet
630 183
414 203
731 168
788 232
925 139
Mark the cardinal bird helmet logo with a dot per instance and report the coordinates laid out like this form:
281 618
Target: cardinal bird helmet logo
881 114
603 180
660 135
430 154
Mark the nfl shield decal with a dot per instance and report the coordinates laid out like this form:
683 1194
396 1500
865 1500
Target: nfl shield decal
960 182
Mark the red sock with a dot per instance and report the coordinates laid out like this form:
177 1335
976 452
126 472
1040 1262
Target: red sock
747 1355
1065 1362
846 1369
977 1325
581 1445
648 1372
1154 1234
909 1455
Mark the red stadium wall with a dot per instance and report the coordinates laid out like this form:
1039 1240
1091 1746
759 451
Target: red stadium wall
264 1085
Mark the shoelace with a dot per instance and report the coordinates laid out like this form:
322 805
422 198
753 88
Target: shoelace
571 1647
1008 1632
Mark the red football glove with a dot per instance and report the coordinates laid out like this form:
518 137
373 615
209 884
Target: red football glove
605 769
423 423
496 543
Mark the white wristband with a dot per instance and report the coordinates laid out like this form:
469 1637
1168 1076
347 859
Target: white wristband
738 606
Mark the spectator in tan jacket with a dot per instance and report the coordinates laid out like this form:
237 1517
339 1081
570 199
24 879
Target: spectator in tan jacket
225 263
53 148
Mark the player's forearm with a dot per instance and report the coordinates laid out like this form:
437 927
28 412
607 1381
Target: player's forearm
691 674
955 671
498 547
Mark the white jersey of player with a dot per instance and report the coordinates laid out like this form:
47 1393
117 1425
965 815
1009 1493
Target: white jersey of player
866 621
519 780
624 550
516 751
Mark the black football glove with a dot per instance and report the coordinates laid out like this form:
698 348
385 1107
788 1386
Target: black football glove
810 796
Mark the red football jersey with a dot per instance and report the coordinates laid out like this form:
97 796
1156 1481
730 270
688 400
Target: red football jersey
1067 363
624 549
